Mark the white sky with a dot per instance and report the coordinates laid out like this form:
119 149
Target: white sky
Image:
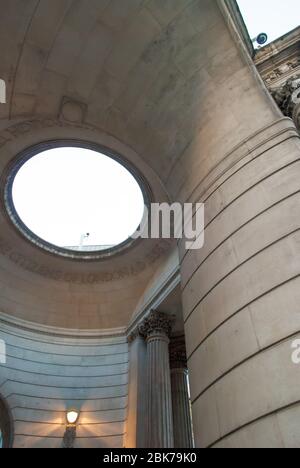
274 17
63 193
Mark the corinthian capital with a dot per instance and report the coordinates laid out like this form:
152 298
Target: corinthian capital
157 322
288 99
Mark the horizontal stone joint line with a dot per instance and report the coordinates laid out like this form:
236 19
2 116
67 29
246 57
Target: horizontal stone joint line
248 153
70 377
63 424
242 193
68 364
61 387
67 345
291 163
244 361
258 215
63 411
61 398
239 266
260 418
278 286
77 437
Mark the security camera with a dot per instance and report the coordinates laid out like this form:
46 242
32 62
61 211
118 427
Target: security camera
261 39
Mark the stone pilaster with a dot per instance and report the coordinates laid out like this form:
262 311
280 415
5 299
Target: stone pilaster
156 329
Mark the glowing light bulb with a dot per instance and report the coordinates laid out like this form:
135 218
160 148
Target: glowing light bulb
72 416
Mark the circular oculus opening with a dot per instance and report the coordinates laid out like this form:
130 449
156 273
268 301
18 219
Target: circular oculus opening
75 201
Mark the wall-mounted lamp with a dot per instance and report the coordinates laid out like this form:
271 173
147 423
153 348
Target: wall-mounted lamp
72 417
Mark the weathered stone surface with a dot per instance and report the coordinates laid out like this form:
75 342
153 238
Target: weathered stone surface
171 87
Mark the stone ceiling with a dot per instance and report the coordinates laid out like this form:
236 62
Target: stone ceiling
127 67
139 76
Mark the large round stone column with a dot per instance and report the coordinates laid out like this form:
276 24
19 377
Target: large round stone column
156 329
182 417
241 290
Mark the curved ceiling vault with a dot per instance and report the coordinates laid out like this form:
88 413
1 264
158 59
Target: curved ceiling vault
124 66
118 73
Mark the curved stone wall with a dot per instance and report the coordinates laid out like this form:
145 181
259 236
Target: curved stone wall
241 291
47 374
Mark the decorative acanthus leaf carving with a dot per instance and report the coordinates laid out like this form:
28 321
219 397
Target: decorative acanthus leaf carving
288 98
157 322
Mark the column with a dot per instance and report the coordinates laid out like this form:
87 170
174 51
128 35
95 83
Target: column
182 418
137 403
156 329
241 290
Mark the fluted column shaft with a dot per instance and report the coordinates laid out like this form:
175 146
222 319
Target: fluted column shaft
160 420
182 415
183 435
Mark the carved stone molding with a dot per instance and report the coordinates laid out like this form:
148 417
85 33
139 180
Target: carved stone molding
288 98
157 323
77 278
177 351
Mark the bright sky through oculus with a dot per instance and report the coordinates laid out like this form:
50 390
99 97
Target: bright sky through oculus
63 193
